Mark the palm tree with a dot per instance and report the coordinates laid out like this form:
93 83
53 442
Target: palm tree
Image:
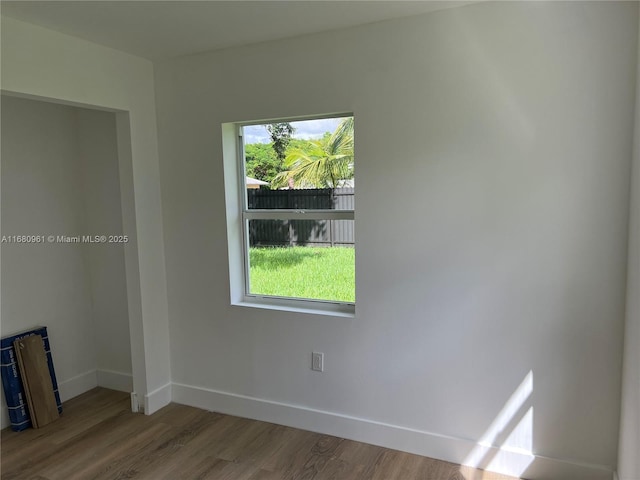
323 165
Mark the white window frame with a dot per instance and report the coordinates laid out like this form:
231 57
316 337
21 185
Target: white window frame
238 217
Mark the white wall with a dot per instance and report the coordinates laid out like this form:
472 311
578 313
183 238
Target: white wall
503 132
42 194
60 177
97 149
37 62
629 445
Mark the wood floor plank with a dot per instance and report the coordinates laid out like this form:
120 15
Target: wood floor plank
264 475
338 469
136 461
98 438
325 450
91 458
188 447
36 379
293 453
264 446
84 444
238 439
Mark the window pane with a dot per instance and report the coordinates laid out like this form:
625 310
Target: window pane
306 233
295 258
306 164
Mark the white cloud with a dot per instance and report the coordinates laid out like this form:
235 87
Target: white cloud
310 129
256 134
306 129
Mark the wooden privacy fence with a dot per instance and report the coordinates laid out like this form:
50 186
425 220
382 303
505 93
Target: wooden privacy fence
321 233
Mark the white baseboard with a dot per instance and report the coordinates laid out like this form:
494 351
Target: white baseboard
135 404
94 378
122 382
72 387
77 385
113 380
396 437
160 397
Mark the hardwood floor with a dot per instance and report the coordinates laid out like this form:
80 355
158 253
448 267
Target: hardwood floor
99 438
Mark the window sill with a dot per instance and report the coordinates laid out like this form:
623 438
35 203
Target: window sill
344 310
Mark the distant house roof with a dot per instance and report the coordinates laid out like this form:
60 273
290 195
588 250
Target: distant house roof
350 183
254 182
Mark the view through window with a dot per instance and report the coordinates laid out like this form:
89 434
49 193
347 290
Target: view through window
298 213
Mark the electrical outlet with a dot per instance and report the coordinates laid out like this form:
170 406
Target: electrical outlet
317 361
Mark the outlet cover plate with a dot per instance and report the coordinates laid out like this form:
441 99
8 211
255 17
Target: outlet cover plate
317 361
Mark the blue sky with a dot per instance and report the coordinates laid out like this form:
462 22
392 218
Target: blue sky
307 129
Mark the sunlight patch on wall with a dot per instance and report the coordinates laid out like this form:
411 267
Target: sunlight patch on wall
513 459
511 433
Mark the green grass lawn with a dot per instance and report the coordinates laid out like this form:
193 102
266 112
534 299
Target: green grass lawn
304 272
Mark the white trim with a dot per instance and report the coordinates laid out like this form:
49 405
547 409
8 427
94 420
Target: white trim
232 191
299 118
135 404
238 216
120 381
298 305
160 397
74 386
287 214
420 442
77 385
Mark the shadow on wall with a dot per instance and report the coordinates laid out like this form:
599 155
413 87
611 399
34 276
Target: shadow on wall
506 446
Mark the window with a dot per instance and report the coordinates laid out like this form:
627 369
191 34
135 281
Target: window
290 213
